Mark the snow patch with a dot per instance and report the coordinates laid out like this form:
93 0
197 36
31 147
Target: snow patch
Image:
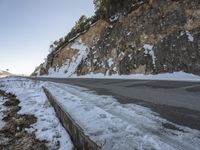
148 50
190 36
130 56
3 76
129 33
114 18
2 109
70 66
115 68
33 101
94 61
175 76
110 62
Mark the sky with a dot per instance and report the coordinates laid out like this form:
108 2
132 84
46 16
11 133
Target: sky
28 27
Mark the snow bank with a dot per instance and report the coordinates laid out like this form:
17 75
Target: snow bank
34 102
176 76
116 126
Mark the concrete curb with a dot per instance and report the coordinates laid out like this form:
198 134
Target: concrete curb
79 139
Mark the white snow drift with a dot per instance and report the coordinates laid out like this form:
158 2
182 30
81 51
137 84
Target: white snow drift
176 76
33 101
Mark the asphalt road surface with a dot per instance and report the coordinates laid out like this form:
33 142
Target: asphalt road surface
176 101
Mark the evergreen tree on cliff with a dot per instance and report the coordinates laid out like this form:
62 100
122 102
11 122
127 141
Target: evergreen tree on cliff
106 8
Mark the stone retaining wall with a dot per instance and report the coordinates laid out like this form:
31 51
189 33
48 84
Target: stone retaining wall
79 139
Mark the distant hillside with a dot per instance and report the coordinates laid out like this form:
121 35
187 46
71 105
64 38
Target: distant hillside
142 37
4 74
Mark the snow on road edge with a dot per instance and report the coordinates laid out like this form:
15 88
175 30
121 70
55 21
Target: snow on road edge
107 122
117 126
175 76
34 102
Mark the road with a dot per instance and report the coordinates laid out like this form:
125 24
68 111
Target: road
176 101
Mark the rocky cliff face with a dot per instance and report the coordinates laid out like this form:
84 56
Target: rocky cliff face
157 36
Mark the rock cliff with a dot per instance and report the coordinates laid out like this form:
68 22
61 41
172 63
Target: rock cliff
156 36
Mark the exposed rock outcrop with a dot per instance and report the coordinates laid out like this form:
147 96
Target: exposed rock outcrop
157 36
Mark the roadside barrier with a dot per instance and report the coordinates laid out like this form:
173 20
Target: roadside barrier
79 139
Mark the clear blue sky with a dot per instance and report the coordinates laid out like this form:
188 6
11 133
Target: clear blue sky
27 28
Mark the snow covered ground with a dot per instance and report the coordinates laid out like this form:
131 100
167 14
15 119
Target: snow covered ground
116 126
176 76
34 102
2 109
4 74
107 122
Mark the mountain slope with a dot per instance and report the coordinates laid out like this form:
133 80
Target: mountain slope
154 37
